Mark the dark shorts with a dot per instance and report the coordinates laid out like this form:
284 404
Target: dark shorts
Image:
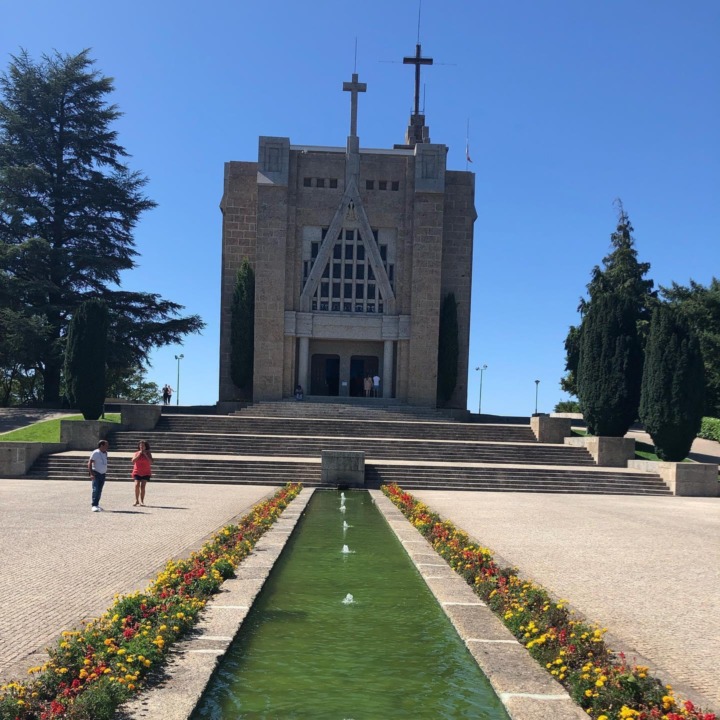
141 478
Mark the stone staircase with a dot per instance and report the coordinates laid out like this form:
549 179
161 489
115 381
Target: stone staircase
274 443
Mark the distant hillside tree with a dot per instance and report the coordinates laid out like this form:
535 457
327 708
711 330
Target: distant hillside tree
610 366
86 357
69 205
673 384
448 350
242 329
700 305
621 273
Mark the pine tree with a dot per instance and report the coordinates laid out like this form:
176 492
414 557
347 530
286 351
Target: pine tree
448 350
673 384
242 329
86 357
68 208
621 273
610 366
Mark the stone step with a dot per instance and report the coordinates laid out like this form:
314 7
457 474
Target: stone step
516 479
64 467
274 446
345 428
360 408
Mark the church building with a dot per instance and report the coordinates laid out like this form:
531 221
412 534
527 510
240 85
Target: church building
353 250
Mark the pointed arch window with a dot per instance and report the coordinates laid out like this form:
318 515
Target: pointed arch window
349 284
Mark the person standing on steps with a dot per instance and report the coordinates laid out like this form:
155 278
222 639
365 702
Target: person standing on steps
169 395
165 394
141 471
97 467
376 385
367 385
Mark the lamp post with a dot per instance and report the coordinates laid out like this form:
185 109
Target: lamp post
482 370
177 390
537 386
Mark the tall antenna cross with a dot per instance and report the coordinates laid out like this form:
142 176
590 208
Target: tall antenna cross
417 60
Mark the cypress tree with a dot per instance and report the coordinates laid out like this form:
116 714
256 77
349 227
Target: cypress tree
610 366
86 357
622 273
448 349
242 329
673 384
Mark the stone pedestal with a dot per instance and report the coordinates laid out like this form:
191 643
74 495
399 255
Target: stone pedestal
140 417
686 479
344 468
606 451
549 429
85 434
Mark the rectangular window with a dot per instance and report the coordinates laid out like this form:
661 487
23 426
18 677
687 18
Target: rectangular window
360 252
358 307
326 271
369 185
324 306
391 272
336 290
395 185
324 289
336 306
333 182
359 291
314 249
307 182
320 182
371 292
382 185
347 291
314 305
371 274
347 307
349 252
383 252
375 235
380 307
360 271
336 271
349 234
337 251
370 307
348 271
324 233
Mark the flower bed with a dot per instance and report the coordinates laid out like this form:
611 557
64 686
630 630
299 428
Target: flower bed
606 686
91 671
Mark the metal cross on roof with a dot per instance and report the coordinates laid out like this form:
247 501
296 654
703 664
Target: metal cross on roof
417 60
354 87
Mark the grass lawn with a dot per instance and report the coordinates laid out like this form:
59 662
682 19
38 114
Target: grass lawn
47 430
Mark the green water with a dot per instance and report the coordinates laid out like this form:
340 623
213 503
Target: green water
304 653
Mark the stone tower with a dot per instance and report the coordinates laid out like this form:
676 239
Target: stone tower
353 251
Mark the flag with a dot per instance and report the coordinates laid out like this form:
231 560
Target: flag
467 151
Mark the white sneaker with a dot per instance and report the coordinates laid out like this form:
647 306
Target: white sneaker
96 508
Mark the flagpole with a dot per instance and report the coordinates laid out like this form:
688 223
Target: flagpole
467 145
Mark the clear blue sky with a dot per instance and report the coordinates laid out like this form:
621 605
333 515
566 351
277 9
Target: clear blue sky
571 104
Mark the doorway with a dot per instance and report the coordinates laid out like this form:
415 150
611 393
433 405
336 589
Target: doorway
325 375
360 367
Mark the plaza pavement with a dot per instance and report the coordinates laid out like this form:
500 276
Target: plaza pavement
62 563
646 568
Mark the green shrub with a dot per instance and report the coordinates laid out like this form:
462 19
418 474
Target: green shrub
710 429
567 406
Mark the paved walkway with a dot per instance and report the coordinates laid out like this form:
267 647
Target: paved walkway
62 563
645 568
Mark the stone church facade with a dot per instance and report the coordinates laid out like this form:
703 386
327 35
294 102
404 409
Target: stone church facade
353 251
